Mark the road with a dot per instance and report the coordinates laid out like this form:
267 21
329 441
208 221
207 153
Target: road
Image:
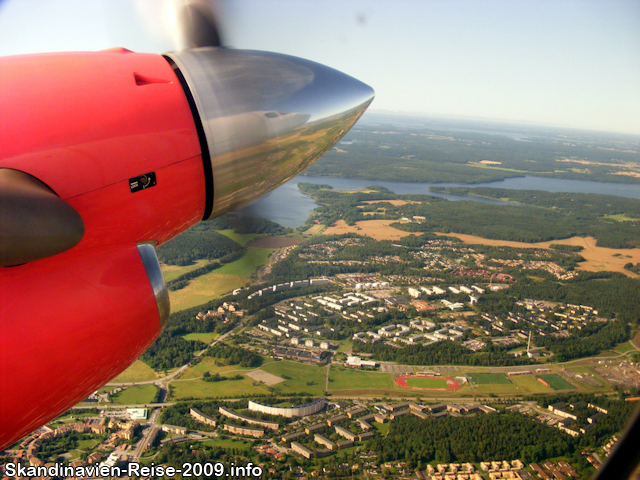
147 436
161 382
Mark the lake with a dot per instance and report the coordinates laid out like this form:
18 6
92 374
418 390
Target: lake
288 207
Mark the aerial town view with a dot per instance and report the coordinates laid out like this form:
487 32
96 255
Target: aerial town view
220 257
382 338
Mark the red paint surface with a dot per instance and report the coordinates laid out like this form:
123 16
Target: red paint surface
69 324
84 124
453 385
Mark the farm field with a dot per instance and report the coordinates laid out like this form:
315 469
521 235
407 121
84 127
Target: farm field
298 377
597 259
376 229
315 230
137 372
136 395
343 379
220 281
557 382
489 378
530 384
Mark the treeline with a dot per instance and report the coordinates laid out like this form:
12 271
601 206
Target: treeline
440 353
470 439
230 355
421 154
244 224
612 294
584 204
170 352
619 414
216 377
519 224
591 340
566 248
199 242
183 280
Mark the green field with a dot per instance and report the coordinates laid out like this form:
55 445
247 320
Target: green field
298 377
349 379
220 281
138 395
228 443
489 378
171 272
208 364
427 382
203 337
225 388
625 347
345 345
383 428
239 238
137 372
529 383
557 382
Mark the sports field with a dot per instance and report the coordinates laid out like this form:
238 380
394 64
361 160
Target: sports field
423 382
557 382
427 383
489 378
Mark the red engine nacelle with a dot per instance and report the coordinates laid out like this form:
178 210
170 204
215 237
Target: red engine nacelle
105 155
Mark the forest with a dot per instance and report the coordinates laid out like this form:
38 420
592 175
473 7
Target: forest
471 439
579 204
199 242
425 153
440 353
548 216
230 355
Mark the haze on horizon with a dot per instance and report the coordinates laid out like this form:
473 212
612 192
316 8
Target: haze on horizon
554 62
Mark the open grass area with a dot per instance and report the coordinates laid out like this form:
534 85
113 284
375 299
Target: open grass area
298 377
239 238
489 378
529 384
349 379
621 217
345 346
203 337
496 389
87 445
137 372
427 382
557 382
220 281
625 347
207 364
383 428
228 443
225 388
315 230
171 272
137 395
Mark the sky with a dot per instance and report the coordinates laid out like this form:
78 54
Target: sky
555 62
